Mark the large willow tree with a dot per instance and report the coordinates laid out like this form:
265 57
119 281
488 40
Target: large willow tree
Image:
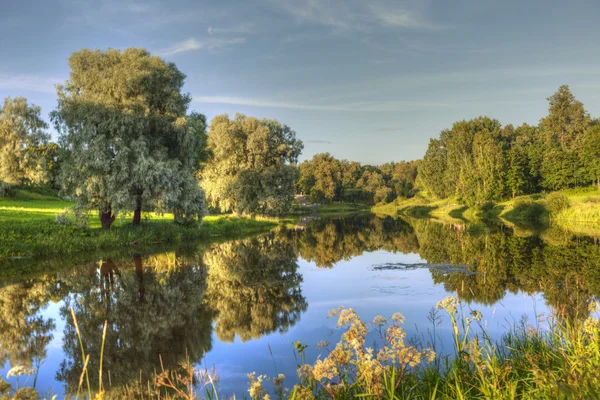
252 165
122 118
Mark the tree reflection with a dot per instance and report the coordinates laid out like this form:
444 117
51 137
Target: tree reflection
152 310
328 241
565 271
24 330
254 287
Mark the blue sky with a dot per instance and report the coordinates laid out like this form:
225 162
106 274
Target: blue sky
370 81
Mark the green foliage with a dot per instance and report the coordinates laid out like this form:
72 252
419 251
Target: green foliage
252 165
76 216
126 136
527 210
466 161
22 133
321 178
556 202
478 161
326 179
567 120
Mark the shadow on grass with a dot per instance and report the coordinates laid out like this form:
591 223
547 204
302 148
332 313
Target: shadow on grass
417 211
458 213
528 214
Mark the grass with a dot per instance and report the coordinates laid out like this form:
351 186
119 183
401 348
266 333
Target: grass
528 210
549 359
28 228
330 209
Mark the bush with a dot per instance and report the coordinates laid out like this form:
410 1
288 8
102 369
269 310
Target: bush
75 216
557 202
525 209
6 190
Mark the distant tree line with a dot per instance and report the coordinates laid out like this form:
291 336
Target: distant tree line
325 179
479 160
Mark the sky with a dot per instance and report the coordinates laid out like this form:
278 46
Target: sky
365 80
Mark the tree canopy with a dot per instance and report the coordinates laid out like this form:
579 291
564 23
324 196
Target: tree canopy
122 119
251 168
22 132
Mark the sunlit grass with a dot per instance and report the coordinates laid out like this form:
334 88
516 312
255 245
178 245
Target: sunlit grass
28 228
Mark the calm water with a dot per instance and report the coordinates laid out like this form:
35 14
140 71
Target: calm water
239 305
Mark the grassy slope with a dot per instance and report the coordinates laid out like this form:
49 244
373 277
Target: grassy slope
28 228
583 215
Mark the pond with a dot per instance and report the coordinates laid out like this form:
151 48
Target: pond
239 305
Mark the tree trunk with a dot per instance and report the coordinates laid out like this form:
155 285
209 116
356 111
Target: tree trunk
107 217
137 214
139 271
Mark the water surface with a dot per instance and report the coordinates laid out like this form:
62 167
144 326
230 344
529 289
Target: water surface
237 306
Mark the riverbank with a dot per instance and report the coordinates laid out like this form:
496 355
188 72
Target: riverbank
576 207
302 207
28 228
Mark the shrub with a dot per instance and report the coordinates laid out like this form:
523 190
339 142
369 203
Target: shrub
525 209
6 190
557 202
75 216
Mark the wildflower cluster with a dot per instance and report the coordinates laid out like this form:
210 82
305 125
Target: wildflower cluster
351 366
256 386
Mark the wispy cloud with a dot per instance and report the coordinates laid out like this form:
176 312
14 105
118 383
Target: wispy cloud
29 83
400 17
200 44
248 29
357 14
257 102
318 141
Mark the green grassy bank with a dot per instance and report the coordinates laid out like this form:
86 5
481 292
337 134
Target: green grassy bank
569 208
28 228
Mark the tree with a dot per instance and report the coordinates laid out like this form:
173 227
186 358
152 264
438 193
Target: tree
321 178
121 117
590 155
252 165
432 169
486 180
21 130
187 198
404 176
567 119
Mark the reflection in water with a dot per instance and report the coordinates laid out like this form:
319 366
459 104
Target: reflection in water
254 287
151 310
169 304
25 331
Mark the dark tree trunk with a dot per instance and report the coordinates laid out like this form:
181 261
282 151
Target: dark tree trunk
107 217
139 271
137 214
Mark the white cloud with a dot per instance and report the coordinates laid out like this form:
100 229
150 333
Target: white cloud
257 102
400 18
29 83
356 14
200 44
